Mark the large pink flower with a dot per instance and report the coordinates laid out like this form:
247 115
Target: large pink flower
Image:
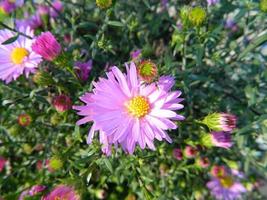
126 111
62 192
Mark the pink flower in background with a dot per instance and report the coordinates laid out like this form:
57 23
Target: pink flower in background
62 103
62 192
56 8
17 58
203 162
218 171
33 22
2 163
221 139
36 189
124 111
82 69
39 165
190 152
47 46
42 10
177 153
9 6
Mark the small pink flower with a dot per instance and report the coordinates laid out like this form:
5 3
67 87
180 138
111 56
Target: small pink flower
47 46
190 152
82 69
42 9
2 163
62 103
39 165
136 54
62 192
36 189
218 171
203 162
177 153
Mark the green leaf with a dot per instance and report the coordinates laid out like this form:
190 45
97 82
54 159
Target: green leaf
108 164
115 23
10 40
255 43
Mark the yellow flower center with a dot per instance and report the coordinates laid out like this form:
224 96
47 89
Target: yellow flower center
138 106
227 181
18 54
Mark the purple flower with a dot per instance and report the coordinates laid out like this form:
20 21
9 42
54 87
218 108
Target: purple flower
231 24
212 2
166 83
127 112
47 46
42 10
83 69
33 22
62 192
56 9
226 188
221 139
136 54
9 6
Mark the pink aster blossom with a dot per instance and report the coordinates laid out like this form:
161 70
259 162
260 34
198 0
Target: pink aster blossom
62 103
33 22
47 46
57 7
62 192
221 122
83 69
127 112
9 6
17 58
221 139
225 188
2 163
177 153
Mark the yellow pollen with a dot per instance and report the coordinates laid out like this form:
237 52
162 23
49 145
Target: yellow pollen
226 181
138 106
18 54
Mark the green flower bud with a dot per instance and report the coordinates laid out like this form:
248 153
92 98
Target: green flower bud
103 4
197 16
55 119
43 78
14 130
27 148
263 5
55 163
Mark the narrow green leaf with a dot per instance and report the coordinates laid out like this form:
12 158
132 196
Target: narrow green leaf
255 43
108 164
115 23
10 40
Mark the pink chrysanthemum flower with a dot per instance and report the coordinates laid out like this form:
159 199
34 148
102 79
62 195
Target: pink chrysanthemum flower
226 188
82 69
17 58
47 46
2 163
127 112
62 192
62 103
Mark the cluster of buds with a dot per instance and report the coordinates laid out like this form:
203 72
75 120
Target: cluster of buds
221 126
192 17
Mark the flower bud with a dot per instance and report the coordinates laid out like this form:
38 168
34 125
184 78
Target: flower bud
203 162
177 153
43 78
62 103
27 148
217 139
190 152
24 120
263 5
101 194
220 122
55 163
2 163
147 70
103 4
218 171
197 16
47 46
